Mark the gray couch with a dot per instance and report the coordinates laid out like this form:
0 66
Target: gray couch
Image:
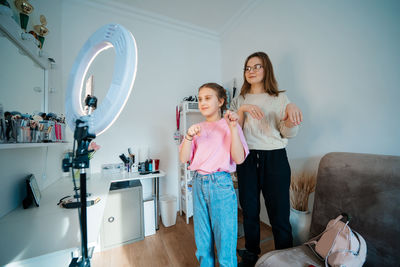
365 186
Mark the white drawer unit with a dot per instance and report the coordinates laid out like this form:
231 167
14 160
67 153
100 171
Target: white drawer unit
187 204
149 217
189 115
186 191
123 215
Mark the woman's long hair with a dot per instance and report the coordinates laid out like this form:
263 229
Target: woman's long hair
270 84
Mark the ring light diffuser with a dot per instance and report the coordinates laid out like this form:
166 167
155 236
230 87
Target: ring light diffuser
108 36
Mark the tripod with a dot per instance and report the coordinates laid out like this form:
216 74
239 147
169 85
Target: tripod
81 161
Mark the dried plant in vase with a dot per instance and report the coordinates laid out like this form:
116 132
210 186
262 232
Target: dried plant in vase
301 186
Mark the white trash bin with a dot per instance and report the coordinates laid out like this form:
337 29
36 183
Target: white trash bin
168 210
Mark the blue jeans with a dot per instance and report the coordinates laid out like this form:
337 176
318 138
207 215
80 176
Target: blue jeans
215 218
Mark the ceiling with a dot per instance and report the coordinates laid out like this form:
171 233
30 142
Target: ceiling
212 15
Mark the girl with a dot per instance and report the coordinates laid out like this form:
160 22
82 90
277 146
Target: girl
214 147
268 121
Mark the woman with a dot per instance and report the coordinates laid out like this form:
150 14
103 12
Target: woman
268 120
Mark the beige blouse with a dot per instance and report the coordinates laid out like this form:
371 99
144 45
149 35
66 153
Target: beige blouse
270 132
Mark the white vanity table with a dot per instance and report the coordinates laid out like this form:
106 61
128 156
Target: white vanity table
136 176
47 235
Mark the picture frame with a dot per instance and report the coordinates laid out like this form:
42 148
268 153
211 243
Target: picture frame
34 189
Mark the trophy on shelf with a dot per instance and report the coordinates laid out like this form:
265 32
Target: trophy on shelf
41 30
25 8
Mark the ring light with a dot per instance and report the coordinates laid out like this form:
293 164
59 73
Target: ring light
87 126
110 35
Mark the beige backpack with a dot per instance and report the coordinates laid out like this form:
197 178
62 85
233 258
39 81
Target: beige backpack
338 245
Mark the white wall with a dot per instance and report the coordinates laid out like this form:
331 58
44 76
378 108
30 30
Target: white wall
173 61
338 61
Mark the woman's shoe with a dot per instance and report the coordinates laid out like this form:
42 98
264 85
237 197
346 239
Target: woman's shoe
249 259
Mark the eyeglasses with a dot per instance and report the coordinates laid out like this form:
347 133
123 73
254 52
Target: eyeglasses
256 68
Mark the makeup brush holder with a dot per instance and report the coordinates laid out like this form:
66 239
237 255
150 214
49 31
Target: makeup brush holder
59 131
11 131
47 131
35 136
21 132
24 134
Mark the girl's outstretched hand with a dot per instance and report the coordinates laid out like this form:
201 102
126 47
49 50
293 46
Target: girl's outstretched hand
232 118
194 130
293 115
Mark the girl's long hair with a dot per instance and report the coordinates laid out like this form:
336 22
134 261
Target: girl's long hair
221 93
270 84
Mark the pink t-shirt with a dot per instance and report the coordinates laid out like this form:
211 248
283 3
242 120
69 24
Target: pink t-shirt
211 151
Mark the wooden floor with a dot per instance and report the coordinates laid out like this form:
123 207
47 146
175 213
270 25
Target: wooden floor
173 246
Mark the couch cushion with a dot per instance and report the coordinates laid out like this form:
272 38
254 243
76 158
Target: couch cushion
367 187
300 256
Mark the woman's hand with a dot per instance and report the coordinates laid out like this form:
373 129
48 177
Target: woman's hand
255 111
293 115
231 118
289 124
193 130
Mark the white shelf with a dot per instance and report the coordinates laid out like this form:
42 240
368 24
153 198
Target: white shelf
14 32
30 145
189 107
189 113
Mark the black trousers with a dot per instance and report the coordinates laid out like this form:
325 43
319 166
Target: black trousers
267 171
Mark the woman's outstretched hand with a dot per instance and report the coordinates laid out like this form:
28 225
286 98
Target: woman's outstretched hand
293 115
255 111
231 118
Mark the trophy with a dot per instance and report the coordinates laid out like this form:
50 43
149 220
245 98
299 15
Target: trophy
41 30
25 8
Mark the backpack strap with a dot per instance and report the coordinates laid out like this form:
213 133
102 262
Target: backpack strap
313 240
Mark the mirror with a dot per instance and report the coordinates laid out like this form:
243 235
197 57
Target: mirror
102 69
22 86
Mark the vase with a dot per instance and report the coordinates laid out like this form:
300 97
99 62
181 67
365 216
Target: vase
41 40
23 18
300 222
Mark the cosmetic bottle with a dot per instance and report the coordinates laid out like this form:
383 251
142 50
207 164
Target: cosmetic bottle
142 167
135 168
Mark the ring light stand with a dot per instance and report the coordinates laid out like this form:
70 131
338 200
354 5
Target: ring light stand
98 119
